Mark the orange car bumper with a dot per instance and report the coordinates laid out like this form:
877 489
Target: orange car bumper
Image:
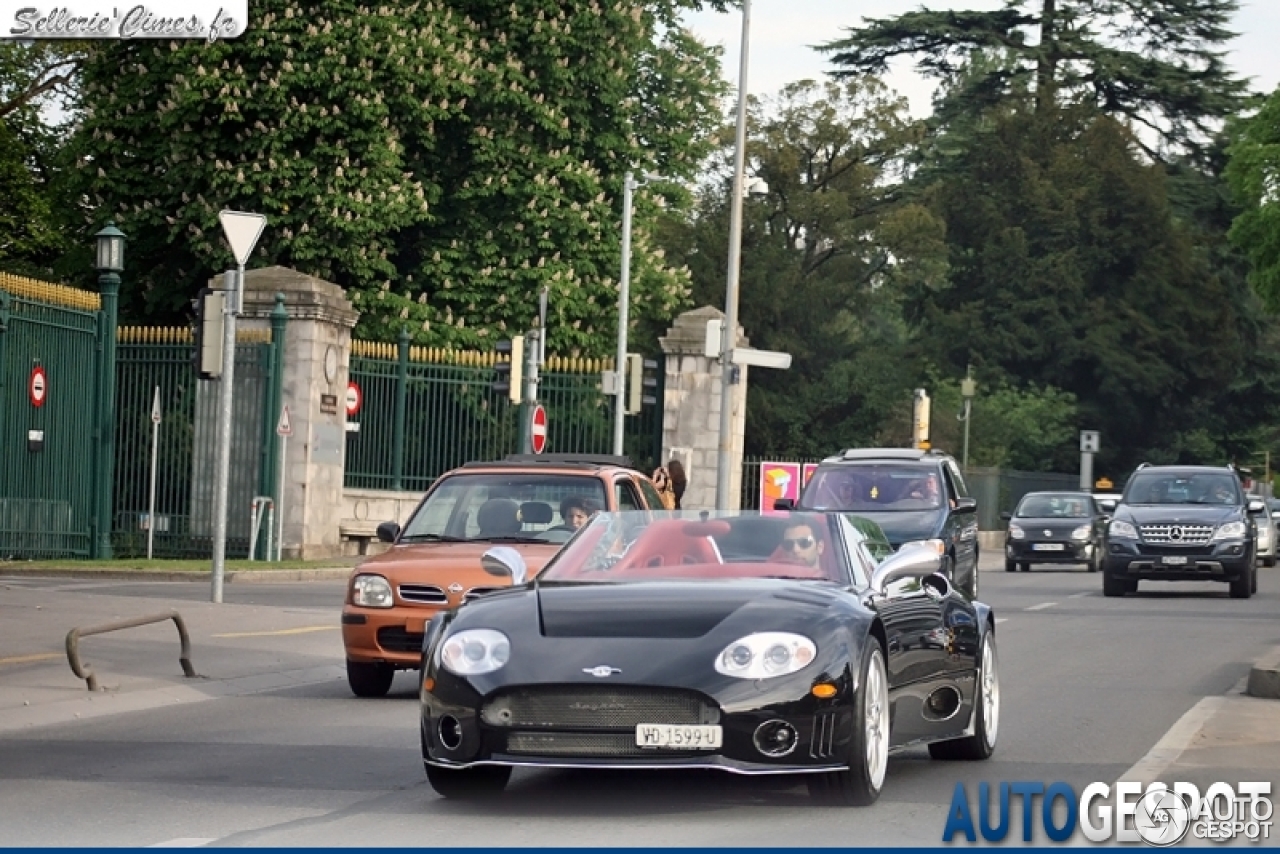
386 635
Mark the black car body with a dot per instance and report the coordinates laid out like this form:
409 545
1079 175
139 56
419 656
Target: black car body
1055 527
1182 523
881 485
691 643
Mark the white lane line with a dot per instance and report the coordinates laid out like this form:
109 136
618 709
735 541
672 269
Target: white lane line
1000 620
1171 745
185 842
1041 606
1081 595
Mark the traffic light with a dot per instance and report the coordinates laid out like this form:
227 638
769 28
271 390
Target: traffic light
642 383
209 304
508 374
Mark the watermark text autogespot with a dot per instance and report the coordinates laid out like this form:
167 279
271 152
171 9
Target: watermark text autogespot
209 20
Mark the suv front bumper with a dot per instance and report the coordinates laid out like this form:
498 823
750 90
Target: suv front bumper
1221 561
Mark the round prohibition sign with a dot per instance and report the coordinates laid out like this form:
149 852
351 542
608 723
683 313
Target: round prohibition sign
354 399
38 386
538 431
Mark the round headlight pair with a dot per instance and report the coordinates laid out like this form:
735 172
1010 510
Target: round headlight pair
764 655
475 651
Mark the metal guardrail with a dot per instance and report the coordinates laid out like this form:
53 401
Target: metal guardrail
73 644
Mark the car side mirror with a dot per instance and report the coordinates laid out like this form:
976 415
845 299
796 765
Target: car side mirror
912 560
1108 505
387 532
966 505
1006 515
1256 506
505 562
1275 514
784 504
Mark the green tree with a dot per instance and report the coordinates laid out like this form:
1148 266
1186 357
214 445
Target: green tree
442 162
1157 64
1253 173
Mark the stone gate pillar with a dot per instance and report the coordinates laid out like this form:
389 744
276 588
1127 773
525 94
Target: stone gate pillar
316 359
691 410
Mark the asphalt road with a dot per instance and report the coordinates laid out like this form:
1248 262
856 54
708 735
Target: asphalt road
1089 686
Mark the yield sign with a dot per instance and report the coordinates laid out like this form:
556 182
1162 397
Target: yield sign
242 231
283 427
538 432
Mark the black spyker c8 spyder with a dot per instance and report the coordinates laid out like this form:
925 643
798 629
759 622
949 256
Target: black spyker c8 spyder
750 643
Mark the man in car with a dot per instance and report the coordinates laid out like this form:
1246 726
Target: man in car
574 511
801 545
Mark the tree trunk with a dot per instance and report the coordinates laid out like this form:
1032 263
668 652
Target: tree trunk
1046 66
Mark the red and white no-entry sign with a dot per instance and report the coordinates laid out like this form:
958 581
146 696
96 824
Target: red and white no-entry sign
538 431
37 386
354 398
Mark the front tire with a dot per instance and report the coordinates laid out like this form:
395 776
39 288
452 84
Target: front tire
861 782
1010 565
369 679
1242 585
468 784
986 713
1112 586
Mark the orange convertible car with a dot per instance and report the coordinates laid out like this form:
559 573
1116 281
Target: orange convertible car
533 503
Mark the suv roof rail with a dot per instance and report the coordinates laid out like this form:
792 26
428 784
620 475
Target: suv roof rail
889 454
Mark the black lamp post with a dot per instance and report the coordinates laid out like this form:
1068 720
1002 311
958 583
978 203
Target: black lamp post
110 264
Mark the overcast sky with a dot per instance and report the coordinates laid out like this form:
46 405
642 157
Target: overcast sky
782 32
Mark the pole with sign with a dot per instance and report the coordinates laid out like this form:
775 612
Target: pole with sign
538 430
284 429
155 453
242 231
1090 443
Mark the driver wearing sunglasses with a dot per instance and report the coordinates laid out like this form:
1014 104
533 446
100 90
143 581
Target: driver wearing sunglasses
800 545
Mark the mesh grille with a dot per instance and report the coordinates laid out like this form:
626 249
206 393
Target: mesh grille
396 639
582 744
588 707
1192 535
425 593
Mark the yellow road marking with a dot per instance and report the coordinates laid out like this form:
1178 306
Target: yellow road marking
24 659
298 631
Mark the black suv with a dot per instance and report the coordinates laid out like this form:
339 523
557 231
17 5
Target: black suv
911 494
1182 523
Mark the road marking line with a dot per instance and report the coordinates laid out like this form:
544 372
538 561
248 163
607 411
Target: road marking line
1171 745
1081 595
1041 606
302 630
184 842
25 659
1000 620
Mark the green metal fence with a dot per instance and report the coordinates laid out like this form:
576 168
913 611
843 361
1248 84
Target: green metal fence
1000 490
425 411
48 405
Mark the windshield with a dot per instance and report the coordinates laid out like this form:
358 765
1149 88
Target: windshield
875 488
1054 507
517 507
1167 488
732 545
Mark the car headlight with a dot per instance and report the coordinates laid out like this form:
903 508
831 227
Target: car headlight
1081 533
1121 528
1230 531
764 655
371 591
1016 532
475 651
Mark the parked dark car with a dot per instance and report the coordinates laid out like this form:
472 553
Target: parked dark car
912 495
1055 527
1183 523
738 642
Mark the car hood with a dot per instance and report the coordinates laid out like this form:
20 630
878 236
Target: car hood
443 564
1057 526
1202 514
905 525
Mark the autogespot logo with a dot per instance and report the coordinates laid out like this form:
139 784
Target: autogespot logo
1158 815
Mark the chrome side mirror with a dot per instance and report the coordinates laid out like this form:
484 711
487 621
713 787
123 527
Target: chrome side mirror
1108 505
1256 506
504 561
916 559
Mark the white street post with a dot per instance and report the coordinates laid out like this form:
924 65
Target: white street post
624 305
731 290
155 452
242 231
284 429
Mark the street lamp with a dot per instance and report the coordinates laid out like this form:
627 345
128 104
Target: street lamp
730 334
629 186
109 264
968 388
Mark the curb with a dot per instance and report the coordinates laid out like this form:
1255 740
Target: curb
228 576
1264 676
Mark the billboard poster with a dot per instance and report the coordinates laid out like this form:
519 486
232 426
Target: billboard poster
778 480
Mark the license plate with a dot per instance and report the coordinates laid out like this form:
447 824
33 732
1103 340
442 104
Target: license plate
678 737
1174 560
1047 547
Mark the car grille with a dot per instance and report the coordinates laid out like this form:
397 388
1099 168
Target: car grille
397 639
598 745
476 592
426 594
1191 535
591 707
